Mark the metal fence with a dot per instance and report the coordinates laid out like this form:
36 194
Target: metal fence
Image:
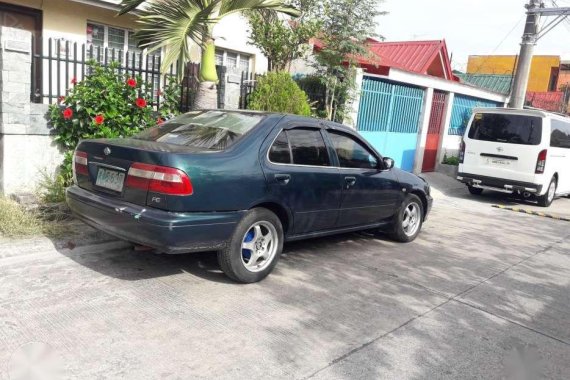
463 109
56 63
247 85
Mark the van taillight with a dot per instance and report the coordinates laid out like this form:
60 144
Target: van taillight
79 165
159 179
541 162
461 152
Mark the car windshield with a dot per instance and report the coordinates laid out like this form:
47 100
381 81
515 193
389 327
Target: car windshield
214 130
503 128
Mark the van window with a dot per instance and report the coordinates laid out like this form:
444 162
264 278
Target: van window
560 136
509 129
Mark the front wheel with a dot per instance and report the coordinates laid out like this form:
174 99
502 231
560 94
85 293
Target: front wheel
408 222
255 247
546 199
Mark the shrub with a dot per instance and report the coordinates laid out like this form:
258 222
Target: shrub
278 92
170 104
452 160
106 104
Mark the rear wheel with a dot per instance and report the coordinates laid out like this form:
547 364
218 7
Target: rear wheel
255 247
408 222
546 199
475 190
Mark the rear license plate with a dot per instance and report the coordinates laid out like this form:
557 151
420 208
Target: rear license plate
498 162
110 179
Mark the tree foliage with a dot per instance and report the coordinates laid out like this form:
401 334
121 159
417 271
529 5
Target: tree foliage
278 92
283 39
346 24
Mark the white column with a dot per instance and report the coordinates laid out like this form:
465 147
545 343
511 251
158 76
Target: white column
351 116
444 128
422 133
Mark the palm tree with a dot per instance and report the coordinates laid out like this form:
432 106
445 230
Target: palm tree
169 24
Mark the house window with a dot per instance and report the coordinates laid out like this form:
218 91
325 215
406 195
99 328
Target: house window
103 36
235 62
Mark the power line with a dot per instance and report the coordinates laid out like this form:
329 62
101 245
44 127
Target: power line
499 45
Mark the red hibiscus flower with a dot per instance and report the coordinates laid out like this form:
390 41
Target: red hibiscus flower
131 82
99 119
74 81
67 113
140 102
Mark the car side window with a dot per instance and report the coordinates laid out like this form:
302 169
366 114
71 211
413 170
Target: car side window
560 136
308 147
279 153
351 153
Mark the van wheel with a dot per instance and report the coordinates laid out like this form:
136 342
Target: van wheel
408 222
546 199
475 190
255 247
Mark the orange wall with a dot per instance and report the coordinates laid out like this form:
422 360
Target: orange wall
540 71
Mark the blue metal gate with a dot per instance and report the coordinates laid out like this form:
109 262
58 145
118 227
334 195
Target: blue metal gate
462 111
389 118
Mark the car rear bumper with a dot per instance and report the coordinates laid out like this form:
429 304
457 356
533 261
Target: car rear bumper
169 232
498 184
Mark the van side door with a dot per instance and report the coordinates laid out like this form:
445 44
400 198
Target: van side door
560 154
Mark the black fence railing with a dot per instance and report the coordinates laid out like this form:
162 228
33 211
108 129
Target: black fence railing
56 63
247 85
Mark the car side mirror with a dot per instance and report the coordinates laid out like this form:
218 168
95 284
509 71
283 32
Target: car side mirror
388 163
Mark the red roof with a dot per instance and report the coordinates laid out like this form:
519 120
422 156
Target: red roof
422 57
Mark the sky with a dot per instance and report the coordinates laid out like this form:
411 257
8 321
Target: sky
470 27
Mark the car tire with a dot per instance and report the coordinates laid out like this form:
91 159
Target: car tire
258 236
546 199
411 211
475 190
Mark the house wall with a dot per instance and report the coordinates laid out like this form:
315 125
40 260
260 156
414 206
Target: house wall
540 72
68 19
27 149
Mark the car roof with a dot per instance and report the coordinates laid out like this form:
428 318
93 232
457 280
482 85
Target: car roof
328 123
518 111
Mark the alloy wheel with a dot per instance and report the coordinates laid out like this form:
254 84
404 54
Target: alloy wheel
411 220
259 246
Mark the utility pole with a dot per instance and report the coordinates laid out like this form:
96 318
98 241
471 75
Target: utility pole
532 33
529 38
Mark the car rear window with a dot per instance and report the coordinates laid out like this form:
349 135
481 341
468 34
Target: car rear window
214 130
509 129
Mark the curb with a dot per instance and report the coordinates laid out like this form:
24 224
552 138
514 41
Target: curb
535 213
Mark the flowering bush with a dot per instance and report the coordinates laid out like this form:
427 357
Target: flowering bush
106 104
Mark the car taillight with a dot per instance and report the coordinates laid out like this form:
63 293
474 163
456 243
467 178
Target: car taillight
461 152
79 165
159 179
541 162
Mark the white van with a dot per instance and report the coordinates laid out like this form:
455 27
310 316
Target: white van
517 151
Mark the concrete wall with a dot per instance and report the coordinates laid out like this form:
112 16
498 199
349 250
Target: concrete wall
540 71
26 146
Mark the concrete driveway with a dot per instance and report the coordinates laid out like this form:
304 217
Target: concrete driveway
482 294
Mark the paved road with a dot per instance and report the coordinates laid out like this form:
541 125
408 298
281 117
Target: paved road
482 294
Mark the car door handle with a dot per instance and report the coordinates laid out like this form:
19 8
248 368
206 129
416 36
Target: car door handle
350 181
283 179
